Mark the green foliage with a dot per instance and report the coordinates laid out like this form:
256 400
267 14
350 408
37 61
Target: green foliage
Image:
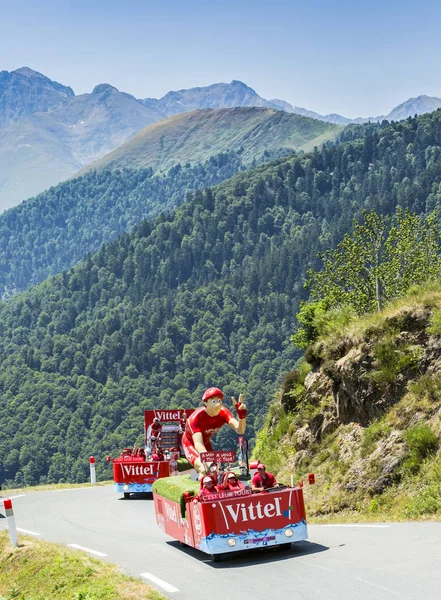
268 448
379 262
371 435
426 502
40 570
317 320
393 359
434 327
50 233
422 441
308 317
205 295
427 386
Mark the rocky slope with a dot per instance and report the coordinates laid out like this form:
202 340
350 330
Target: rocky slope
364 414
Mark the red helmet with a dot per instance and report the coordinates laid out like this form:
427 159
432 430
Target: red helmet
211 393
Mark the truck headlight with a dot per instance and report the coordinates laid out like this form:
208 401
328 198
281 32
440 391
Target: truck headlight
231 542
125 488
288 532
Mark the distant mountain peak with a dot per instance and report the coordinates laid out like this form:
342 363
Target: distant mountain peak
28 72
104 87
239 83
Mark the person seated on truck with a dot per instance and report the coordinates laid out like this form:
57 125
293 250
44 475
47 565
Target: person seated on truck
231 483
207 487
263 480
156 428
141 453
158 454
204 422
214 473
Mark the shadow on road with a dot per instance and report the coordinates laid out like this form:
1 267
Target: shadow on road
140 496
252 557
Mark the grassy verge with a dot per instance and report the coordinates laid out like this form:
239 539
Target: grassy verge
5 492
40 570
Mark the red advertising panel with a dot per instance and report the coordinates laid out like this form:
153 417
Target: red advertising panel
130 471
169 519
256 512
170 415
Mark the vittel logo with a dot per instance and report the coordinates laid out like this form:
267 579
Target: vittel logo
131 470
170 513
168 415
250 512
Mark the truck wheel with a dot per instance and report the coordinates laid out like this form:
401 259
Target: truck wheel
126 496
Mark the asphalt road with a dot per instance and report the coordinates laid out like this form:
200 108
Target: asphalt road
346 562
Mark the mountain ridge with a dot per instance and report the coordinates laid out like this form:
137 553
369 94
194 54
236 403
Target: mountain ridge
193 136
42 123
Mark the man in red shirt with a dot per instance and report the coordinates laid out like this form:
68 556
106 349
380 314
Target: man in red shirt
263 480
158 454
204 422
156 429
231 483
207 487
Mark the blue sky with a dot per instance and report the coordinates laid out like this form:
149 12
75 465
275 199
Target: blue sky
354 58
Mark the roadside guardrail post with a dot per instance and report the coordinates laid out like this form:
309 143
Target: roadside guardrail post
11 522
92 470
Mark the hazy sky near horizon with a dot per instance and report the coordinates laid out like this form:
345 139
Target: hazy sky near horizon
353 58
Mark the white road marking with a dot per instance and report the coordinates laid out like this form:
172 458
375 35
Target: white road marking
380 587
12 497
163 584
95 552
316 566
357 525
27 531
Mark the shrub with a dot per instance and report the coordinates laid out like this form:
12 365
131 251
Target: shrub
392 360
434 327
426 502
421 441
371 435
427 386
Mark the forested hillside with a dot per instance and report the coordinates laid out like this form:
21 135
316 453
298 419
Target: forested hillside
55 230
206 295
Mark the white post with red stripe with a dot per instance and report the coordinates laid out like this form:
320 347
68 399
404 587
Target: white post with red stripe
11 522
92 470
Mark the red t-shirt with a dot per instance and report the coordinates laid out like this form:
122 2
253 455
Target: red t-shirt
268 482
201 422
233 487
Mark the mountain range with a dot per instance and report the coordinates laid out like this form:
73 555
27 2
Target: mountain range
47 133
237 93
